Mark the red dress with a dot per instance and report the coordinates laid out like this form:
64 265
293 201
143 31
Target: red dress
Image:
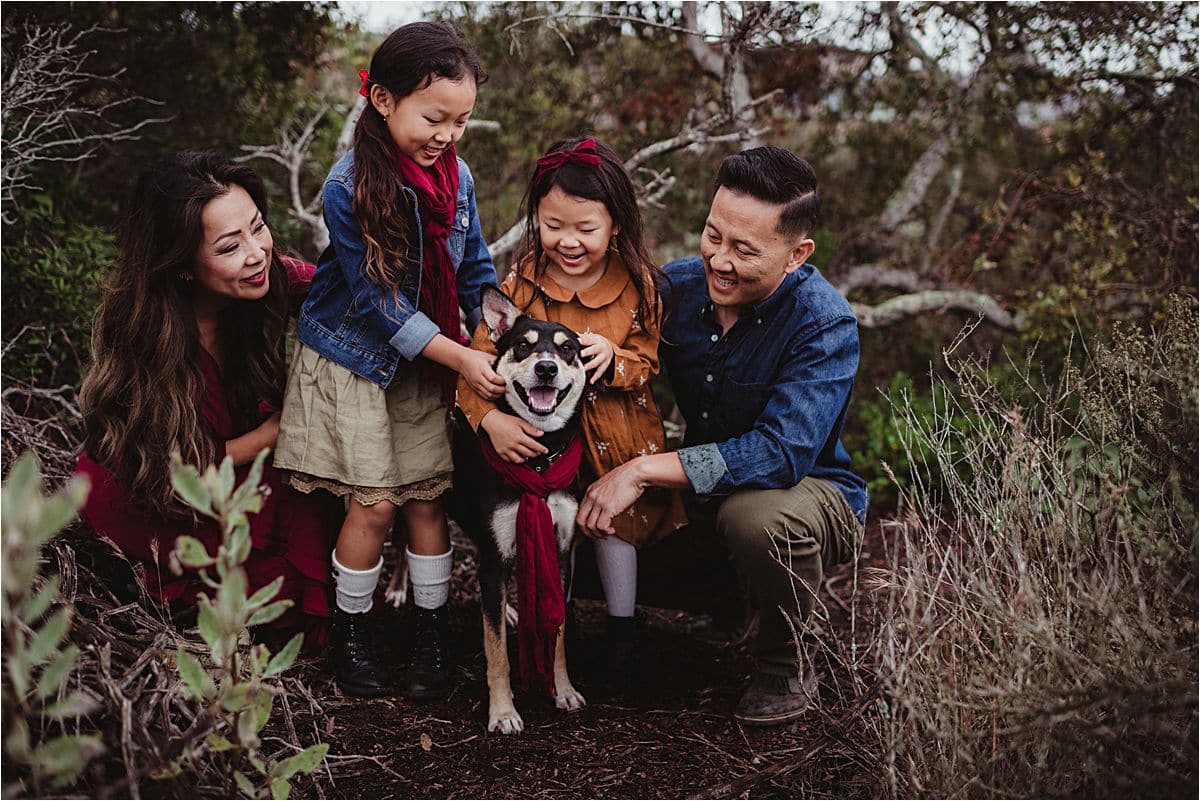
292 536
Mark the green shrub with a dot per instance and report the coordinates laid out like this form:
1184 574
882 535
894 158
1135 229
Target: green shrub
53 272
39 669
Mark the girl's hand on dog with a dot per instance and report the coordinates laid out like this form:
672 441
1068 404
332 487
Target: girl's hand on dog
476 367
512 437
597 354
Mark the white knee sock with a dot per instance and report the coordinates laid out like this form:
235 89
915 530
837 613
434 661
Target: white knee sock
355 588
617 561
430 577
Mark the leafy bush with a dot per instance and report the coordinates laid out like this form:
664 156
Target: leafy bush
38 670
1040 637
241 696
55 269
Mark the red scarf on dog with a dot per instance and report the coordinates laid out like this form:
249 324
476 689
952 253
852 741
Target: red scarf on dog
437 194
540 603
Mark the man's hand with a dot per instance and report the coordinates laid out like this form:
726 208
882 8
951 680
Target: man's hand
476 367
597 354
512 437
608 497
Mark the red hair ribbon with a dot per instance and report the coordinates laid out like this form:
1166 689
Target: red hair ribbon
582 153
366 80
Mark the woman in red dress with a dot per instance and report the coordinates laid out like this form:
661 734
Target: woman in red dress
188 356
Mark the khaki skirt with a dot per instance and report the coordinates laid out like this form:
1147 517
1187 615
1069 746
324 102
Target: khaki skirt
345 434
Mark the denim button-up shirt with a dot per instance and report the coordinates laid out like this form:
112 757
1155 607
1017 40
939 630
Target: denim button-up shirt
766 401
350 319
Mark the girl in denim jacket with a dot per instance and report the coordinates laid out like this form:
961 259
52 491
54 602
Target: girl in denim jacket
365 413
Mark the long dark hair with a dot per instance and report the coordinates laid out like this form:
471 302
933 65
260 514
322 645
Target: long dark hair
408 60
142 393
611 185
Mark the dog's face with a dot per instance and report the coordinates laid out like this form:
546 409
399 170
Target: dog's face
538 360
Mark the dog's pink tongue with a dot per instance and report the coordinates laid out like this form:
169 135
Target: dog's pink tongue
542 398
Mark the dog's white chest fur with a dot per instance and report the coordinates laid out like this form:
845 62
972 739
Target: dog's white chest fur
563 507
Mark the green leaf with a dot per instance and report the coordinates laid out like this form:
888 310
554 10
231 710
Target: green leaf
192 553
218 743
231 597
16 744
206 620
52 678
303 762
36 606
63 758
247 734
47 640
239 542
261 711
280 788
200 685
62 507
266 593
286 656
189 487
244 784
18 672
74 705
226 478
269 613
24 480
239 697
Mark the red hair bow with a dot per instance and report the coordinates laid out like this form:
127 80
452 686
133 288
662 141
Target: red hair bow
582 153
366 80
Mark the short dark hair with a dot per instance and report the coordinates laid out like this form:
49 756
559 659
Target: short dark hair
777 176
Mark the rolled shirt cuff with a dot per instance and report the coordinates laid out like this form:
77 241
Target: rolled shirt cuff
414 335
704 466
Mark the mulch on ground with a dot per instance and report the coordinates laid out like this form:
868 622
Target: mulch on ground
665 730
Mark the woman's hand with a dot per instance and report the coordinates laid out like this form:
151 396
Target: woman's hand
512 437
476 367
243 449
597 354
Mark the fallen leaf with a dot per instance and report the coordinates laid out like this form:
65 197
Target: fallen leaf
426 742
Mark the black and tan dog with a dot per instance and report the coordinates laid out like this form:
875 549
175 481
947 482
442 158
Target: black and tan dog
541 365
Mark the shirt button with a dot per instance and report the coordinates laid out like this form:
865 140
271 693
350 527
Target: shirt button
708 378
463 222
758 321
703 415
715 337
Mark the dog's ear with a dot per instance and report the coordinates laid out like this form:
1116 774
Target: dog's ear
498 312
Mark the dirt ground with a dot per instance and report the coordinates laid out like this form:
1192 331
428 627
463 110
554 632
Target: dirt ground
666 731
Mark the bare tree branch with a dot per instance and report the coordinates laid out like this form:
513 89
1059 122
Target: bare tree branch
42 118
902 307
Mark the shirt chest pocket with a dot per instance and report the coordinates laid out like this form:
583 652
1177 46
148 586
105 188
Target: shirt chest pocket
742 404
458 231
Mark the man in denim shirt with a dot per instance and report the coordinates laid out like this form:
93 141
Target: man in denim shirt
761 352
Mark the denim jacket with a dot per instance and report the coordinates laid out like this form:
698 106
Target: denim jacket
764 402
349 319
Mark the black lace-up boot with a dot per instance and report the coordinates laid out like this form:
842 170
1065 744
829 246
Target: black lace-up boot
428 676
356 664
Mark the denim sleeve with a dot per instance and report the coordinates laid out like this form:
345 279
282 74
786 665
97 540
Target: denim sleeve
801 412
476 269
407 329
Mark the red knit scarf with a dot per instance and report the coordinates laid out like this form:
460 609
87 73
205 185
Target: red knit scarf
539 585
437 194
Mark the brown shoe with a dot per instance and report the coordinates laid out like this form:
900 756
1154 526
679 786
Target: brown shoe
771 699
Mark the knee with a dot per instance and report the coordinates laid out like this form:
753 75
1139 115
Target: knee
377 517
422 514
760 521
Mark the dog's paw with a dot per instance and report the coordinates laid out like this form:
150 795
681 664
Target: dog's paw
396 598
511 615
570 700
506 722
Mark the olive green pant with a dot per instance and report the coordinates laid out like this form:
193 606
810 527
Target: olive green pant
780 542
